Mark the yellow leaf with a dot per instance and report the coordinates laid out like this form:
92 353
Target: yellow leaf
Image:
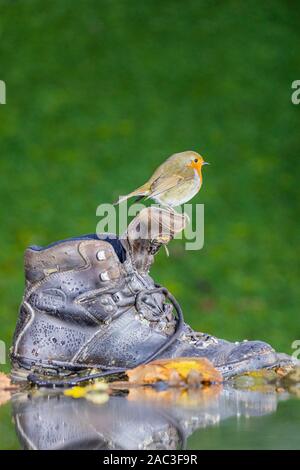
191 371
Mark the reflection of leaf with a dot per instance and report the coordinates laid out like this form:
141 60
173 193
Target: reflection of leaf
95 392
191 371
97 398
187 397
76 392
4 397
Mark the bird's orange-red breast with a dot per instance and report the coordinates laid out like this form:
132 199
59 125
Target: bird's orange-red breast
174 182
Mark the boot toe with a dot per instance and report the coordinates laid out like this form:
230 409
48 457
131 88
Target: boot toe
247 356
250 349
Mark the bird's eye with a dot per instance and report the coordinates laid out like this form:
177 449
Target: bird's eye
196 160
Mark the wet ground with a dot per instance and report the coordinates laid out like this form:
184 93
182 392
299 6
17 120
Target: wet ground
243 415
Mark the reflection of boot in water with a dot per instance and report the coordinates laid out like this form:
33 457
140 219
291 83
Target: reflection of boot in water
136 422
194 409
90 303
59 422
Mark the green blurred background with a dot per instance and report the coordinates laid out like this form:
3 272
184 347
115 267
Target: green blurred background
100 92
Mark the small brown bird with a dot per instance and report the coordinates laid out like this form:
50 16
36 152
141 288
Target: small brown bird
174 182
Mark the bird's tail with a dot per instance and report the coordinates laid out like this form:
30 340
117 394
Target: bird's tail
141 191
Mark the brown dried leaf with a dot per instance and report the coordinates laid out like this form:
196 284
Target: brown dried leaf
5 388
192 371
264 380
283 371
5 382
293 377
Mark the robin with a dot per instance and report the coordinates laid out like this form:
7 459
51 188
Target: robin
174 182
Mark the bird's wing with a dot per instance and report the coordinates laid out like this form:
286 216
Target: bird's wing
164 183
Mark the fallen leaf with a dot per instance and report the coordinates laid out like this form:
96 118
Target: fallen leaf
268 375
262 380
6 387
176 372
266 380
5 382
291 381
283 371
293 377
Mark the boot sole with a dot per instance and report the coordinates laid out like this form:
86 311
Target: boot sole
21 368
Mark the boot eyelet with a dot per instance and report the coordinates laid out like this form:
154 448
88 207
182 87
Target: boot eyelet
100 255
109 309
104 300
104 276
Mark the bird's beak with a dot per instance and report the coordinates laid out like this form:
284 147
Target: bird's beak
205 163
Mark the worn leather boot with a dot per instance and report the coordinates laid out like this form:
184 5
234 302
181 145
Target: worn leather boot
90 303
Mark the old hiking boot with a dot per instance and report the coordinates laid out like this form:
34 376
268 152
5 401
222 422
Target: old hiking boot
90 303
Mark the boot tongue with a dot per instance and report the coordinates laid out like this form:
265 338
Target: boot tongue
148 231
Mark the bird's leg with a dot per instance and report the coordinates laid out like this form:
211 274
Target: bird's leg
173 211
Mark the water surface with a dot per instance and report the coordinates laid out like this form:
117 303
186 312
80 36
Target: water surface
211 418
